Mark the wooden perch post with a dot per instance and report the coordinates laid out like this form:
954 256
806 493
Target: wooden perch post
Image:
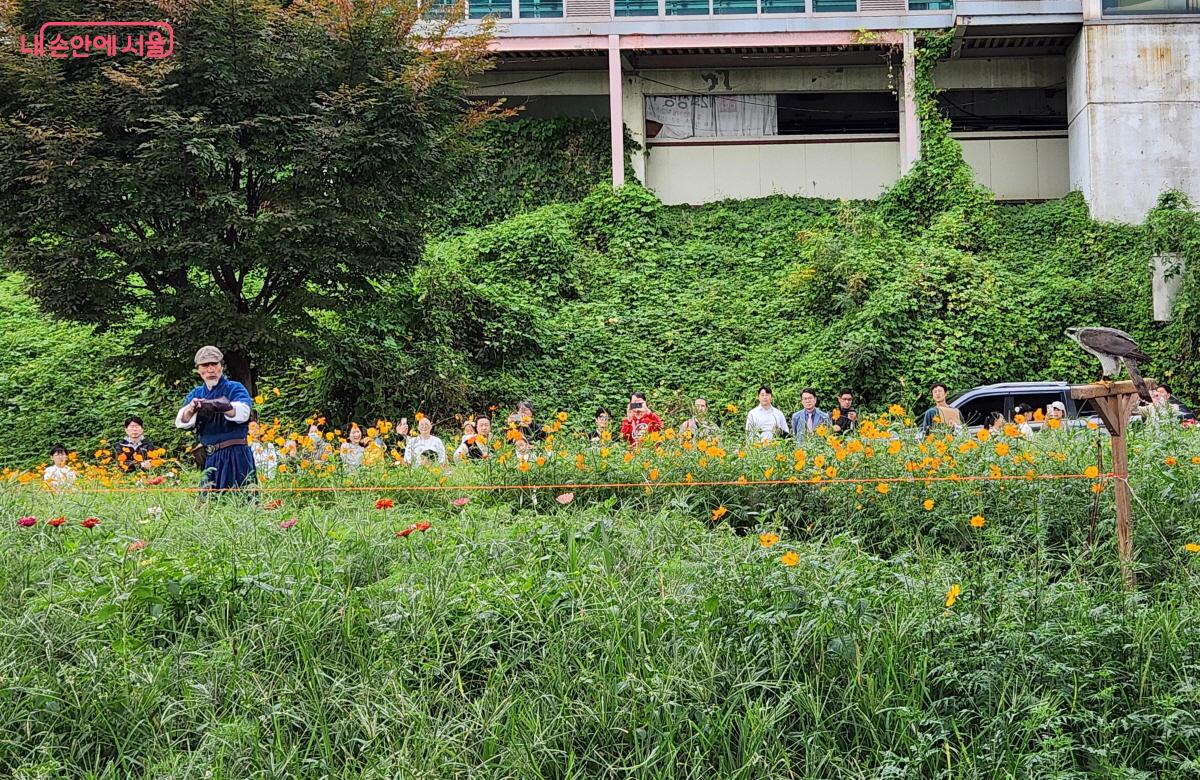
1115 402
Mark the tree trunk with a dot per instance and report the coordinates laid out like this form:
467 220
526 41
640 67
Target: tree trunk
239 369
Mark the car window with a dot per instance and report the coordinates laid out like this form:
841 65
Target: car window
1036 401
978 410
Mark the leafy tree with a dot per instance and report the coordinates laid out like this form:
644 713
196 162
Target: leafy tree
276 165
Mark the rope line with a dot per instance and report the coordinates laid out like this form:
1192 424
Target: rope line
600 485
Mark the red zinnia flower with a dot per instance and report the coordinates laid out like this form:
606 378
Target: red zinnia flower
91 522
56 522
27 522
422 527
406 531
273 504
385 503
157 480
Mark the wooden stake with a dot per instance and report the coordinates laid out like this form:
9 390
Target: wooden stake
1114 403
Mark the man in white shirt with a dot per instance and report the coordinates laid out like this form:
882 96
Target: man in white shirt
764 420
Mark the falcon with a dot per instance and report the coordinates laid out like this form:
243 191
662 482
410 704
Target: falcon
1113 347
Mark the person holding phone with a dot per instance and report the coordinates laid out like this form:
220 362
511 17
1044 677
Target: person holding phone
639 420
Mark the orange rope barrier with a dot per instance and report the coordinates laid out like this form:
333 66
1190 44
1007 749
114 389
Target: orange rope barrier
601 485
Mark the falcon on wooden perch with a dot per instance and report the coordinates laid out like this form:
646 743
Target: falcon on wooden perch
1113 347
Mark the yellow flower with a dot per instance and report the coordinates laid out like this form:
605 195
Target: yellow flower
523 466
768 540
1097 487
831 472
1170 461
719 512
983 434
953 594
1091 472
276 391
883 488
896 410
1002 449
731 408
1192 547
562 416
928 504
653 475
977 521
789 558
1054 423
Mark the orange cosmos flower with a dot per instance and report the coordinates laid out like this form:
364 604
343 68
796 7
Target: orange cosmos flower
953 594
789 558
768 539
719 512
928 504
977 521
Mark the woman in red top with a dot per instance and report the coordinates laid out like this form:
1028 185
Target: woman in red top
639 420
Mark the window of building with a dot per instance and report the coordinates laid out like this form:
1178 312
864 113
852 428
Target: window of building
931 5
687 7
783 6
1005 109
477 9
539 9
735 6
835 6
636 7
825 113
1113 7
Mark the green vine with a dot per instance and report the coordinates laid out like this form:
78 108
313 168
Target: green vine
940 181
1173 228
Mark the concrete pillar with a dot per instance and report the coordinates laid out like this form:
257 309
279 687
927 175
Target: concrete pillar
1168 277
634 102
616 118
1133 115
910 127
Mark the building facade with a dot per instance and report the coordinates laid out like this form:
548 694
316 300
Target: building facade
747 98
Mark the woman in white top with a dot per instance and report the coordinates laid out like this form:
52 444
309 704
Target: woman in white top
60 475
764 420
353 449
416 447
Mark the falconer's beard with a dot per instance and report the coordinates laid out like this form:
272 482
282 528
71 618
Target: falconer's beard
211 383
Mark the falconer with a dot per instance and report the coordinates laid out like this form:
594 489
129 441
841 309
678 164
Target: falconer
219 410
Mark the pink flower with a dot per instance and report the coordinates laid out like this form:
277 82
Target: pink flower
27 522
565 498
137 545
460 501
286 524
156 480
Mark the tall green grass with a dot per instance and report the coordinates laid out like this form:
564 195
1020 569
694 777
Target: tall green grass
627 636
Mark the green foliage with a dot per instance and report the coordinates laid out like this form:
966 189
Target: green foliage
1174 229
577 305
279 161
940 183
521 164
62 383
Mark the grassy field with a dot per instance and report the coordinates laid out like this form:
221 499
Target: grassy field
638 632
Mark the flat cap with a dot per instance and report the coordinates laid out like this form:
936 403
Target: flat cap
208 355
